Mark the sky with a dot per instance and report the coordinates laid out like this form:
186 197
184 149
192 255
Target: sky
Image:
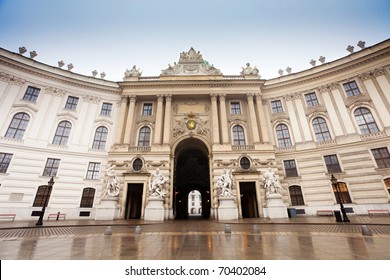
113 35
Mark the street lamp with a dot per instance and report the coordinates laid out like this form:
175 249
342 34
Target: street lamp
49 188
336 185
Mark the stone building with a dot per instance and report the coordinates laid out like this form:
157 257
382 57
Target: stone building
193 123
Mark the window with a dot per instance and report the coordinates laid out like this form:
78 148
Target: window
31 94
137 164
144 136
71 103
311 99
238 135
343 192
276 106
332 164
99 142
382 157
87 198
106 109
321 130
42 196
365 121
296 195
283 136
387 184
245 163
235 108
147 109
5 160
51 167
18 126
93 171
351 89
290 168
62 133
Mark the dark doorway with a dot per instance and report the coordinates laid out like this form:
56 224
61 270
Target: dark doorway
191 173
134 201
248 200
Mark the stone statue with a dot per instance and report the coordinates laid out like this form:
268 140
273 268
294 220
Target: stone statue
134 72
111 189
156 184
248 70
271 182
225 183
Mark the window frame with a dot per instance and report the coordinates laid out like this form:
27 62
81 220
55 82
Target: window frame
276 106
351 91
343 191
289 170
93 171
332 165
365 121
100 138
321 134
31 94
284 141
235 108
296 197
71 103
310 101
42 196
147 109
62 133
51 167
18 126
238 136
87 197
144 136
384 160
5 161
106 109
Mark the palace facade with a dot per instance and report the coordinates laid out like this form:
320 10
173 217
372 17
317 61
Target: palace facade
193 122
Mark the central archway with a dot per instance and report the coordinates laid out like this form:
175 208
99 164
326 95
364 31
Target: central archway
191 172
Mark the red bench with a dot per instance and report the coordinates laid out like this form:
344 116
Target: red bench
8 216
56 216
378 212
324 213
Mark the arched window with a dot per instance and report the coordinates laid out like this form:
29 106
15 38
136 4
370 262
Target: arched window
100 139
387 184
144 136
283 136
87 198
343 192
42 197
62 133
17 126
365 121
296 195
238 135
321 130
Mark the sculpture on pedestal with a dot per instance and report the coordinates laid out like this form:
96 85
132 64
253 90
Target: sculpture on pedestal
156 184
271 182
225 183
112 188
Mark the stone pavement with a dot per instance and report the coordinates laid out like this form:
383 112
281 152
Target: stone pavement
300 238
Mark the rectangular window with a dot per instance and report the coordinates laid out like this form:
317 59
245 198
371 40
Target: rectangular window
351 89
311 99
382 157
5 160
31 94
290 168
51 167
235 108
106 109
332 164
147 109
71 103
276 106
93 171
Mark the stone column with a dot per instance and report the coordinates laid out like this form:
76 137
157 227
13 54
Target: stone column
159 119
252 116
222 104
121 124
214 109
263 123
129 121
167 119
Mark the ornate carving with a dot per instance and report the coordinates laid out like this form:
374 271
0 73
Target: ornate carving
191 124
226 163
11 79
55 91
378 72
91 99
161 163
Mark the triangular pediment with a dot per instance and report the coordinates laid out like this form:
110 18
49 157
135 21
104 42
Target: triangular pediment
191 63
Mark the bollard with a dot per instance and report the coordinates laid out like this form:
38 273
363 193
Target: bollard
58 215
138 230
366 231
256 229
108 231
228 229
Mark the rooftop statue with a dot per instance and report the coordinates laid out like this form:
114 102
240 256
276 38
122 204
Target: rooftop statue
248 70
134 72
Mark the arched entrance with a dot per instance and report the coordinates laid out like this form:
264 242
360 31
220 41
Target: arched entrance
191 173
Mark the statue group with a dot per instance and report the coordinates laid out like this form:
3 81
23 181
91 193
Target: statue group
225 183
112 188
156 184
271 182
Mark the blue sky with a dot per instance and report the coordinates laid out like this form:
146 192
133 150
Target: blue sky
112 35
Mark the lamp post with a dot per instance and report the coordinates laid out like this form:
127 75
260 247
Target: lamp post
336 185
49 188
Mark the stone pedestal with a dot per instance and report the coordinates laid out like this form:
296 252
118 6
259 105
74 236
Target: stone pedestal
227 209
154 211
275 207
107 209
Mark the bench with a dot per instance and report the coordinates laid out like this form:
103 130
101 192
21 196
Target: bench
378 212
56 216
324 213
8 216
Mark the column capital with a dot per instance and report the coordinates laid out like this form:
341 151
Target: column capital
222 96
249 96
213 96
168 97
160 97
132 98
